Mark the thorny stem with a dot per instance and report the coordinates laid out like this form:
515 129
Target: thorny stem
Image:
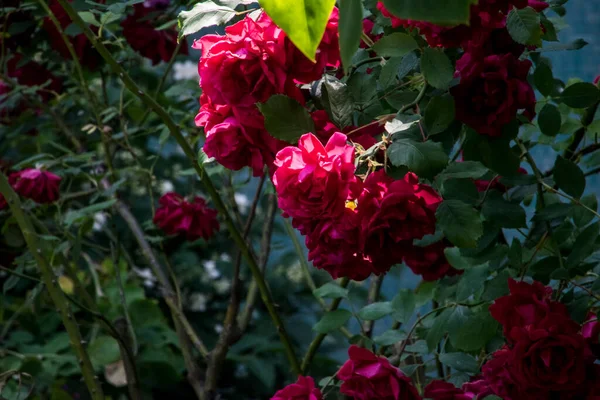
57 295
571 199
204 179
316 343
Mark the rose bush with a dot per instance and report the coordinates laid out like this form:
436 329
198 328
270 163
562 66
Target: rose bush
232 199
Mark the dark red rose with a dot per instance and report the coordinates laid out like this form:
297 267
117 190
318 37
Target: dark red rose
193 219
303 389
492 91
393 213
140 33
368 377
332 246
525 306
590 330
86 53
551 358
497 379
37 185
477 388
486 43
430 262
441 390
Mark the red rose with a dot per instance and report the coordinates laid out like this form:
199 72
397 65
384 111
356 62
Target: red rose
551 358
485 43
441 390
492 92
430 261
497 378
477 388
368 377
245 66
392 214
368 26
314 181
178 216
37 185
240 140
597 80
142 36
332 246
86 53
525 306
590 330
303 389
363 135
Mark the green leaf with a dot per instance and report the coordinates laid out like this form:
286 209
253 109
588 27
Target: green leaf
104 350
304 22
584 245
471 281
88 18
581 216
503 213
436 68
569 177
375 311
543 79
203 15
426 159
285 118
465 169
389 337
330 290
496 287
441 12
580 95
350 28
75 215
470 331
552 211
515 253
403 305
145 312
332 320
460 362
395 45
460 189
549 120
438 329
439 114
524 26
460 222
389 72
363 87
456 259
337 101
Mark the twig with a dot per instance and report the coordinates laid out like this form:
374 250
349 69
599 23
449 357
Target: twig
572 199
204 179
316 343
54 290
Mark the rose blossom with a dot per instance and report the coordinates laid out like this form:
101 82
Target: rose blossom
245 66
332 246
142 36
430 261
590 330
240 140
492 92
314 181
193 219
362 135
393 213
303 389
37 185
441 390
525 306
597 80
368 377
86 54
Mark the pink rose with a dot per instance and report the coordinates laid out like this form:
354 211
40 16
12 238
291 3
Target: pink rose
491 92
365 135
143 37
368 377
430 261
590 330
314 181
245 66
393 213
303 389
37 185
441 390
193 219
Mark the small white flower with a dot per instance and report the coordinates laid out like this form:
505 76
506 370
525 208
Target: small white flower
198 302
210 267
219 328
222 286
166 187
185 70
225 257
242 201
99 221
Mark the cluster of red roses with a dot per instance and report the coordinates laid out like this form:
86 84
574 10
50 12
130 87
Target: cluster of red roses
194 220
493 85
35 184
355 228
547 356
251 62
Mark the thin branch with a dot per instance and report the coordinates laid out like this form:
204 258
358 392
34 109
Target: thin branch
204 179
56 294
572 199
